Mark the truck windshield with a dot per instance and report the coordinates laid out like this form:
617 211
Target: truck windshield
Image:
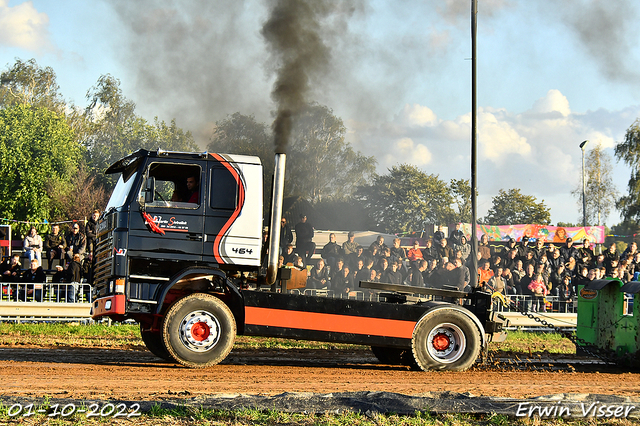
122 189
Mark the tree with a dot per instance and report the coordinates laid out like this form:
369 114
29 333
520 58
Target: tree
37 150
28 83
514 208
624 232
242 134
78 197
322 163
629 152
461 193
114 129
406 199
600 192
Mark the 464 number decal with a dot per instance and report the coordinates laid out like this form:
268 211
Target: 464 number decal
242 250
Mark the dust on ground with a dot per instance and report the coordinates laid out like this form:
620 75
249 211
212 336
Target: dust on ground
97 373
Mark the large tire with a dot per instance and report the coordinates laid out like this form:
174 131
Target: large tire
199 330
446 339
392 356
153 342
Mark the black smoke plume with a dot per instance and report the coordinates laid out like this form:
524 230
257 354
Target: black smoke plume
299 55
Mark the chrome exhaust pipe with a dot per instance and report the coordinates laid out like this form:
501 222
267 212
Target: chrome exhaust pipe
276 215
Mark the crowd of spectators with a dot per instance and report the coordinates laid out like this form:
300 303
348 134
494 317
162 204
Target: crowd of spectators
532 268
70 260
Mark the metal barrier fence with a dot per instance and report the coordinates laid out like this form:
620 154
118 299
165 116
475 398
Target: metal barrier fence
29 302
46 292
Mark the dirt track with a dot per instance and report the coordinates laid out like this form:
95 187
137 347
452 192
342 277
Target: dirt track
138 375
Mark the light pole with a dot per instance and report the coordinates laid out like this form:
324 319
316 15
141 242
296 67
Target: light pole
584 199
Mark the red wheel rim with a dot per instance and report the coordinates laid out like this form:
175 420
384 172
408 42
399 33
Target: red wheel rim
200 331
441 342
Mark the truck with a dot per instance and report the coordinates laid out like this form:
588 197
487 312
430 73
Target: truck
180 228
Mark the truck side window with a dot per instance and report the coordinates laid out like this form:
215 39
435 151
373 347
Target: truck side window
224 189
173 186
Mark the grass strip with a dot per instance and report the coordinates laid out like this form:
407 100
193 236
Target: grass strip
188 415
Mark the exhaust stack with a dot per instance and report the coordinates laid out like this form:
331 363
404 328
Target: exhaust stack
276 215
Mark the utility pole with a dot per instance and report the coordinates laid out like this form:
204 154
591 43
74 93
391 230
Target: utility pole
474 131
584 199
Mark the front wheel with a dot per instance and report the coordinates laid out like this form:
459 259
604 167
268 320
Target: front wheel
446 339
199 330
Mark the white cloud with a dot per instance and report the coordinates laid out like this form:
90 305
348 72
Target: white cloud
553 102
536 150
498 140
24 27
406 150
417 115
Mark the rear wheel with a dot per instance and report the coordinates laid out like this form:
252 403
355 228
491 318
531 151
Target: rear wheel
199 330
446 340
153 342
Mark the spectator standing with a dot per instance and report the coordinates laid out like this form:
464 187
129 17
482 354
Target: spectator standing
539 249
74 278
430 252
304 239
464 247
444 251
632 249
10 269
55 245
350 246
331 251
318 276
511 256
564 292
569 251
397 252
438 236
337 270
523 248
484 272
586 249
483 248
414 254
511 244
379 243
518 273
286 236
342 284
76 242
391 275
32 245
556 260
90 230
417 268
289 255
36 277
497 282
539 291
455 237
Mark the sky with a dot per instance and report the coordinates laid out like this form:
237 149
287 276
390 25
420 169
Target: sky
549 75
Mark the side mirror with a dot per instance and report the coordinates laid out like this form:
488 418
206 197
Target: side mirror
150 189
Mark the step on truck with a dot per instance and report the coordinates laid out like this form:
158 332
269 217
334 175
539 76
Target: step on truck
178 229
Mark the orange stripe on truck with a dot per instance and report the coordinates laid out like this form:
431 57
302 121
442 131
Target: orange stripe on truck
329 322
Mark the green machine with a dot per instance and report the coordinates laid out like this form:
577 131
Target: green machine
605 318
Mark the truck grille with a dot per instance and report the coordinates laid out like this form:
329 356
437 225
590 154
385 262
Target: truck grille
104 263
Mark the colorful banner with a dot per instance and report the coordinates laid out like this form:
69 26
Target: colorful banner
554 234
